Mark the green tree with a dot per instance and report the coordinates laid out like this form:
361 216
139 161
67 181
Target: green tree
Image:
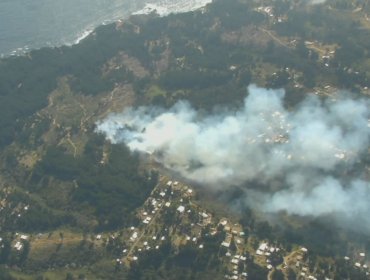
291 275
277 275
25 252
70 276
5 251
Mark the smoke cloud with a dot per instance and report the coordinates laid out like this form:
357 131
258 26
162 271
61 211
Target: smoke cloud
307 159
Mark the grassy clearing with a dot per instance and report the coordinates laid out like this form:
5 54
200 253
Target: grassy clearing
155 91
58 274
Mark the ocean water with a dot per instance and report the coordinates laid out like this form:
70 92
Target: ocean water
32 24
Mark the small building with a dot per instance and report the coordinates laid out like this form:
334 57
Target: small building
134 236
223 222
235 261
225 244
204 219
259 252
147 220
181 209
18 246
24 237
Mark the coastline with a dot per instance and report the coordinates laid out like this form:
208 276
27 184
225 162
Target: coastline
162 8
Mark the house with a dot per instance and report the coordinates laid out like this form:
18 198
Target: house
303 249
204 219
18 246
147 220
223 222
235 261
259 252
181 209
263 247
134 236
225 244
24 237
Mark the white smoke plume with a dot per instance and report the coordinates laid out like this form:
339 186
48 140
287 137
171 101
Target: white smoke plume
311 151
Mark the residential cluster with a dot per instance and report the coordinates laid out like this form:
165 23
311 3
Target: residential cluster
172 214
